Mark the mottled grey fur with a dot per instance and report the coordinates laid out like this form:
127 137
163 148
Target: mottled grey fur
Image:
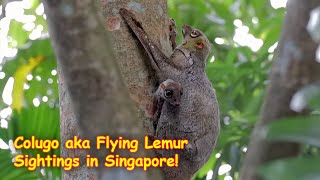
197 117
161 96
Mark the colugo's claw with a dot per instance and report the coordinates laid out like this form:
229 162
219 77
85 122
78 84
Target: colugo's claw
172 33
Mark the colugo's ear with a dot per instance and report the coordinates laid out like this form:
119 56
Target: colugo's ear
200 45
186 30
162 85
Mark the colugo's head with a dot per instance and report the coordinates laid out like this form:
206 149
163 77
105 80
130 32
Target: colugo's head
171 92
196 41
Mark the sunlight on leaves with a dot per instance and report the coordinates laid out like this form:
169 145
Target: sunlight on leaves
20 80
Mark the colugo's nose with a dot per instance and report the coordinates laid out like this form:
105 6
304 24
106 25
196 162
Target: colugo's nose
176 103
185 26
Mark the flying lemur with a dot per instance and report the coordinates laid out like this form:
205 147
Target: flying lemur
197 116
168 91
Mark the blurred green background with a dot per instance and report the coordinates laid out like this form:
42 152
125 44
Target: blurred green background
243 33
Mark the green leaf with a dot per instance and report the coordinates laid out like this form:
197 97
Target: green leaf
34 5
41 122
292 169
20 79
208 166
18 33
304 130
37 88
9 172
4 134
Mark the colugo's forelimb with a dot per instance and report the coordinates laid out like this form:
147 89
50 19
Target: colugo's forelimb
158 59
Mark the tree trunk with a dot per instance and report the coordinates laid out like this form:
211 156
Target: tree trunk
99 102
295 66
133 61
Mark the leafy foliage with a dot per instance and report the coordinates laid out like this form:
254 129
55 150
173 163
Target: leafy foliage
299 168
33 110
302 129
238 73
8 171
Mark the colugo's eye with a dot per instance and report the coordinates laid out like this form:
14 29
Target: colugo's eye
194 34
168 93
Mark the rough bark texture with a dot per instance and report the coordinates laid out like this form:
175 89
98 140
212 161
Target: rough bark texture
295 66
134 63
99 103
70 128
98 97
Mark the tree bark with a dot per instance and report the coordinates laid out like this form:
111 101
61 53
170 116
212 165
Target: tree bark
133 61
90 74
295 66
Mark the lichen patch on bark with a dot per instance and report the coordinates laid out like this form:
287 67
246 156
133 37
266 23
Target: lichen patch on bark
136 6
113 23
66 9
